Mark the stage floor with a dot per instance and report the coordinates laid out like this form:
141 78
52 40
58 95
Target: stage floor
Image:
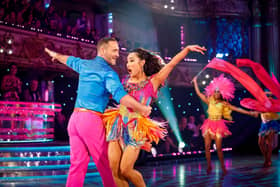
242 171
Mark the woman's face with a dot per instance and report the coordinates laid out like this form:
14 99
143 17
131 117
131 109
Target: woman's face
134 64
13 70
217 94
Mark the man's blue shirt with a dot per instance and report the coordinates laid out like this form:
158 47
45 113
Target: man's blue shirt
97 81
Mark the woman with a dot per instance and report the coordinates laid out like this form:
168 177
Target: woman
214 128
127 131
269 128
11 85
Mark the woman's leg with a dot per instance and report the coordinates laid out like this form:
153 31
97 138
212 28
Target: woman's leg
218 141
115 155
269 147
261 143
128 160
207 143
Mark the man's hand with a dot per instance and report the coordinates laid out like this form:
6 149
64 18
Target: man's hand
51 53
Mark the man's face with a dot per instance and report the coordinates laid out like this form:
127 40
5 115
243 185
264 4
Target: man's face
111 52
34 85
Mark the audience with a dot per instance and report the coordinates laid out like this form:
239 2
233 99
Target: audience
11 85
34 14
32 92
52 21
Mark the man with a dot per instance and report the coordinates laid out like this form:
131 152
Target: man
97 81
32 93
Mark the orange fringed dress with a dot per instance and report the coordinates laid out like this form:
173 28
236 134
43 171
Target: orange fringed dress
130 128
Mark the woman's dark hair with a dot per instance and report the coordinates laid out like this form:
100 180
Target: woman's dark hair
11 65
153 63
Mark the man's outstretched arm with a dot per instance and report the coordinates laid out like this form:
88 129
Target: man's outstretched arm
57 56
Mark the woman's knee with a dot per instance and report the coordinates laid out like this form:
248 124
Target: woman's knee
219 150
125 171
207 146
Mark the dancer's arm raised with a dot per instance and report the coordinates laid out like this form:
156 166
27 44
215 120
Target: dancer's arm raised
162 75
196 88
57 56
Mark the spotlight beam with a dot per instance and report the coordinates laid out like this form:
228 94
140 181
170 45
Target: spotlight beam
166 106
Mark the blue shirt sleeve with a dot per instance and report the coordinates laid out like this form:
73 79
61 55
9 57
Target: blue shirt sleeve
74 63
114 86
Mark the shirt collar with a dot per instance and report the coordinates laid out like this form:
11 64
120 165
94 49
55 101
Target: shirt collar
101 60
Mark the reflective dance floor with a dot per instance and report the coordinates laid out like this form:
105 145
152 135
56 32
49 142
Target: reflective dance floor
242 171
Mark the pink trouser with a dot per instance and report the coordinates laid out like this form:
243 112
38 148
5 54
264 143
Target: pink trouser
87 138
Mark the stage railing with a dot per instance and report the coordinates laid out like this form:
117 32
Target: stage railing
27 121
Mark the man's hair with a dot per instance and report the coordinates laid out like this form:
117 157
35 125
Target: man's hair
104 41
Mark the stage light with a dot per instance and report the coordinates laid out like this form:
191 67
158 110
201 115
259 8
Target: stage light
9 38
203 82
9 51
166 106
9 41
1 50
172 8
47 3
154 151
182 144
110 23
165 6
219 55
171 1
207 76
181 147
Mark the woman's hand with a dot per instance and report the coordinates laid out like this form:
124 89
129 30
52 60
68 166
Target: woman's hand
196 48
254 114
194 80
